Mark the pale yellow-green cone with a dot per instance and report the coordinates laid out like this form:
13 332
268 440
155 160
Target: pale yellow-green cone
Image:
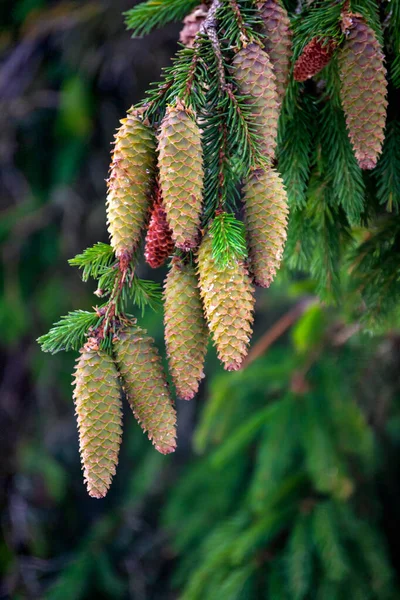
363 91
255 78
181 174
186 333
99 414
278 42
130 184
228 299
266 217
146 388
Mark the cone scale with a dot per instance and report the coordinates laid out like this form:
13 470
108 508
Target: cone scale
181 174
99 415
278 42
363 91
314 57
130 183
228 299
159 242
146 388
186 333
266 216
255 78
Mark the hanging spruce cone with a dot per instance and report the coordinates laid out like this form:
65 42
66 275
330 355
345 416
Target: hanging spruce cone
278 42
266 223
130 183
228 298
315 56
146 388
181 174
99 414
185 329
192 25
159 242
363 92
255 78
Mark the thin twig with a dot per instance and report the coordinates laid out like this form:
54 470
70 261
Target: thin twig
278 329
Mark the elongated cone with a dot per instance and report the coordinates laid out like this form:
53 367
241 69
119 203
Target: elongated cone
130 183
159 242
266 216
363 92
315 56
146 388
255 77
186 332
181 174
99 414
228 299
192 25
278 42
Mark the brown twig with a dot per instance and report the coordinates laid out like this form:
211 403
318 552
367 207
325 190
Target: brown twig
278 329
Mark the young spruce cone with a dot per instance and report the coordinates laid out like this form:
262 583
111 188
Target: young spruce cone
130 183
99 414
315 56
255 78
192 25
363 92
266 222
181 174
278 42
228 298
146 388
186 333
159 242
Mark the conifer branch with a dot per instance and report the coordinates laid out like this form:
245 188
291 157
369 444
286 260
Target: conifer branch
146 16
228 240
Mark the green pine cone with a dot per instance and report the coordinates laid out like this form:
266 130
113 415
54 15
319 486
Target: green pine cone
266 215
363 91
99 414
130 184
278 42
255 77
186 333
146 388
181 174
228 299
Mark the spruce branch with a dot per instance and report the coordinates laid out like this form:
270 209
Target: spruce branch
228 239
387 172
240 22
70 332
93 261
149 15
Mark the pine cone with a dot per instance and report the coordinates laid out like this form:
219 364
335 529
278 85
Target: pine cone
146 388
130 183
192 25
159 242
228 298
363 92
99 414
266 222
181 174
255 78
186 333
278 42
315 56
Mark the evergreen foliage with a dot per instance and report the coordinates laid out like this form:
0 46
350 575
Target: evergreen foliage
224 133
301 520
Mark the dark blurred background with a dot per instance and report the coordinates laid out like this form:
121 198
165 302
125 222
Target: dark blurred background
68 73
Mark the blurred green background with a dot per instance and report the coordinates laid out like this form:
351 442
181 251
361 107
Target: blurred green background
286 479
